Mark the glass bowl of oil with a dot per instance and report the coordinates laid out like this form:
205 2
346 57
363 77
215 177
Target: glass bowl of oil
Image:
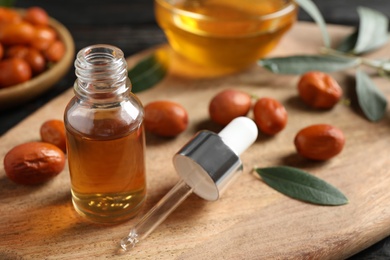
228 35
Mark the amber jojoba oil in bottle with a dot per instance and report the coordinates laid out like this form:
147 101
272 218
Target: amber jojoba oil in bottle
105 138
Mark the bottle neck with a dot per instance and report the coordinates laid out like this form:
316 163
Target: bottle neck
101 72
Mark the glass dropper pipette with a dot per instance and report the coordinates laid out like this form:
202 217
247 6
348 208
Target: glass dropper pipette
206 164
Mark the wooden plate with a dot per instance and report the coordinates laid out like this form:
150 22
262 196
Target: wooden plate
250 220
18 94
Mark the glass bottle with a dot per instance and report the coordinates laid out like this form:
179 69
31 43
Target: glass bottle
105 138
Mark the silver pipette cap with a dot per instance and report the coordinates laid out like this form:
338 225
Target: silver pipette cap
209 161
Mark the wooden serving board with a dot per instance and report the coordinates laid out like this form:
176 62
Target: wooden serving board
250 220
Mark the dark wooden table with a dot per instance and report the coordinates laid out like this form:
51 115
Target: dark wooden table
130 25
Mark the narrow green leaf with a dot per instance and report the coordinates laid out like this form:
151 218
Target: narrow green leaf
147 73
349 43
313 11
7 3
301 185
303 63
373 30
371 100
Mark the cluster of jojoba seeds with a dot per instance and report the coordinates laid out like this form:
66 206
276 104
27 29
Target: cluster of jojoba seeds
316 89
28 45
270 115
37 162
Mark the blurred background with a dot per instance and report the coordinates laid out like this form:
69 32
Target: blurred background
130 25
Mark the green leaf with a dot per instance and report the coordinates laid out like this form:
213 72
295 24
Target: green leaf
301 185
373 30
303 63
7 3
313 11
348 44
148 72
371 100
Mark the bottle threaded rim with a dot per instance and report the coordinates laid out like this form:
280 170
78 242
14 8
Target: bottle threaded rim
101 69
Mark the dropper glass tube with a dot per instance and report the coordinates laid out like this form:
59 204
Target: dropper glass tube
206 165
157 214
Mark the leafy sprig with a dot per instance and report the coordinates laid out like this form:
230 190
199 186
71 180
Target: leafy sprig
149 71
371 35
301 185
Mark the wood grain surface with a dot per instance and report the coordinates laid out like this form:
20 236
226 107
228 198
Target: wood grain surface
250 220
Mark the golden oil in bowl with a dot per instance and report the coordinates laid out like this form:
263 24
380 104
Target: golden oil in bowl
224 34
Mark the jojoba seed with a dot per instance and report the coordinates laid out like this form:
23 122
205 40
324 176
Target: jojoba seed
33 163
36 16
9 15
270 115
16 33
229 104
55 51
319 142
165 118
44 37
14 71
319 90
36 60
53 131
